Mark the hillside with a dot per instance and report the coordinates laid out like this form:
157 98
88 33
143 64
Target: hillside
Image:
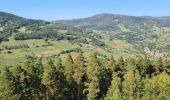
20 37
151 33
107 34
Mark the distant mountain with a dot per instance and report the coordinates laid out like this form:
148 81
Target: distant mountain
142 32
108 21
164 20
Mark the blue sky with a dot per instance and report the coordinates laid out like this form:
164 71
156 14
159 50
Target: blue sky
69 9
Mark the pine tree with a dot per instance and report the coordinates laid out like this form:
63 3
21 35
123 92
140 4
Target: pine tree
111 64
114 91
158 87
69 73
120 68
139 85
59 66
69 69
107 67
29 80
59 81
47 79
79 73
159 66
93 73
129 86
39 88
18 75
164 85
7 88
166 65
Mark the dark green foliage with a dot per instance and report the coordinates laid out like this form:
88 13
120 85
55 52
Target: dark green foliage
70 50
97 42
35 35
77 79
16 47
7 87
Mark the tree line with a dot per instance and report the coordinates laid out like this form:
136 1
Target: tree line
79 78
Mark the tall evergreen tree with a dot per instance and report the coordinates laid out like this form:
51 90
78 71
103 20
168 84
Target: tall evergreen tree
158 87
139 81
69 73
129 86
79 69
59 81
120 68
164 85
111 64
93 73
166 65
69 69
114 91
159 66
7 88
47 79
107 67
39 88
18 75
29 79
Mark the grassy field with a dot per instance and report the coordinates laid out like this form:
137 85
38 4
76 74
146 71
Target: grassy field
36 47
51 47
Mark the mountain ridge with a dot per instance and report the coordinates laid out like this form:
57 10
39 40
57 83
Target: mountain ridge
142 32
102 16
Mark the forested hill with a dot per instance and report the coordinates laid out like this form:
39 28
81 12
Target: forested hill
32 29
11 18
142 32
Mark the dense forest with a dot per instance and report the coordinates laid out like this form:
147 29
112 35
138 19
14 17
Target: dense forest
92 78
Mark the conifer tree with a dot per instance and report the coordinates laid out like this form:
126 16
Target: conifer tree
166 65
129 86
47 79
39 88
120 68
164 85
59 81
107 67
7 88
158 87
18 75
30 81
59 66
93 73
111 64
114 91
79 73
69 73
159 66
139 81
69 69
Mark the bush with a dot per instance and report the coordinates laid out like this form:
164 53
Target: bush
16 47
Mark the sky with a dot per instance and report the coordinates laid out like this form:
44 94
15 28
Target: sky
72 9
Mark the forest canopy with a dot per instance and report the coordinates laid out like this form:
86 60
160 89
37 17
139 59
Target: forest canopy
80 78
